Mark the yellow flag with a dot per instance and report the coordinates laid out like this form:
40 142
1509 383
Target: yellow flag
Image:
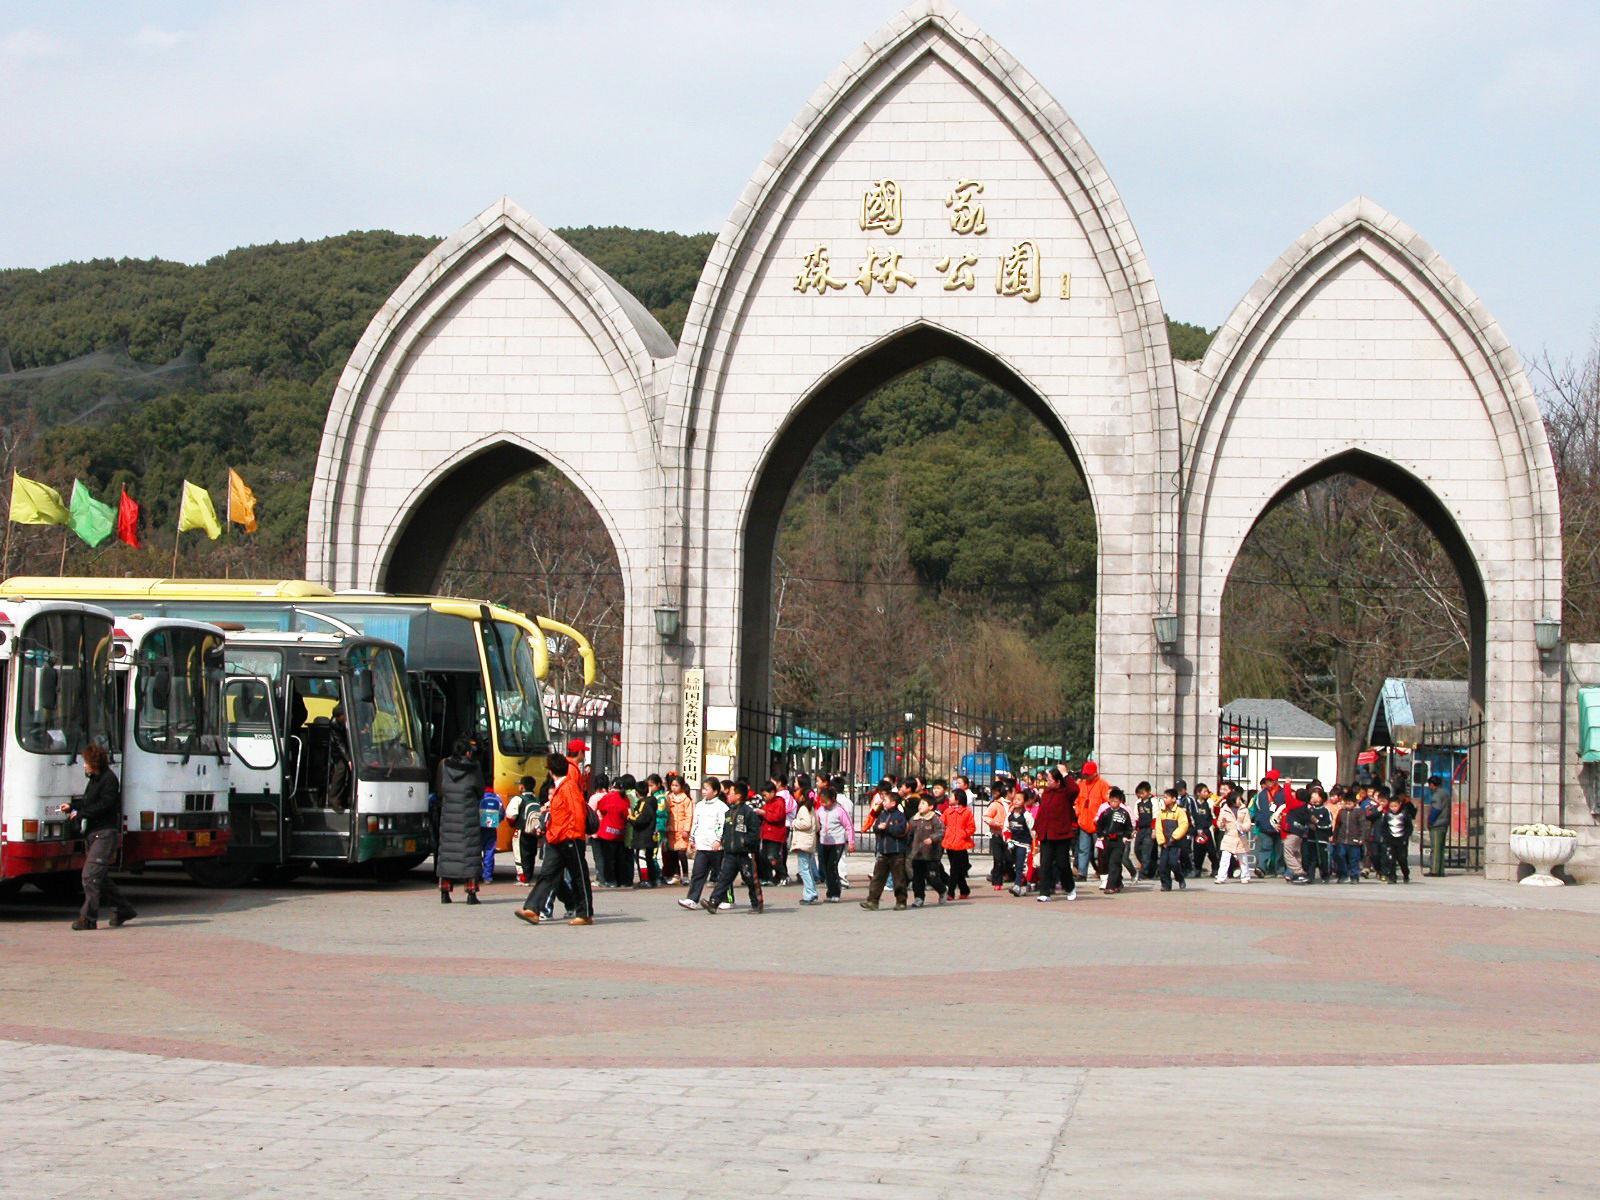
35 504
196 512
241 502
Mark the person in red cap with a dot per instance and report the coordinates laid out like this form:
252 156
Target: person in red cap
1267 813
1093 792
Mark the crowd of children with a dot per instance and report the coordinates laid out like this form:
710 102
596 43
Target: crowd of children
1043 833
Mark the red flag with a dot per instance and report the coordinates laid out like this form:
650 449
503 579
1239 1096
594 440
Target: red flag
128 520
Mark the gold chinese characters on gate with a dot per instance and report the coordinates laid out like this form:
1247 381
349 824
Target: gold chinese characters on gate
1018 271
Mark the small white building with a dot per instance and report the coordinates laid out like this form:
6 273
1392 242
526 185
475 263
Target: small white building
1299 746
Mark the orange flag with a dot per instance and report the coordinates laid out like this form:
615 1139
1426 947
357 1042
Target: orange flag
241 502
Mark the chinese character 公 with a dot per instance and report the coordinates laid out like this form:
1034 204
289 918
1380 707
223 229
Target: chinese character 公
958 274
966 214
814 274
1019 272
882 267
880 207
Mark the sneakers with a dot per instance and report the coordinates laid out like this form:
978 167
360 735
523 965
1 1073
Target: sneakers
1016 891
757 909
870 905
900 906
522 877
685 902
709 905
1073 894
83 923
118 920
914 904
528 915
725 906
1183 885
581 921
1044 899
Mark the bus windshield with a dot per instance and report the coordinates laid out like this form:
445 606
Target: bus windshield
178 693
387 735
65 690
519 717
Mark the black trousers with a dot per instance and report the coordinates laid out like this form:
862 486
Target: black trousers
960 864
706 864
1395 857
100 851
1115 847
615 859
562 859
1055 865
743 865
774 861
882 867
830 856
925 871
1318 860
1144 853
1169 864
1000 852
674 863
1207 851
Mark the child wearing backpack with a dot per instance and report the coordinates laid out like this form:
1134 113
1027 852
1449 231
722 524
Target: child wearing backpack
491 811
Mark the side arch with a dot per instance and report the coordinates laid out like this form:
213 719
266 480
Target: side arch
1361 348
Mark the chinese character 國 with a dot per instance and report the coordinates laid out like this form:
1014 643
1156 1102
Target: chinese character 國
881 207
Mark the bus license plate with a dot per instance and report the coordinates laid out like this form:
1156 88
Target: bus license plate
202 839
411 845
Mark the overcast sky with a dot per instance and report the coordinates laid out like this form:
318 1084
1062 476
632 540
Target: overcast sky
185 129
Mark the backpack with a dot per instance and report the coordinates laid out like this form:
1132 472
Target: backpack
532 814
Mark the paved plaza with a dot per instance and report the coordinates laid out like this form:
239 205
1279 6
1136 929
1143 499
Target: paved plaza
353 1039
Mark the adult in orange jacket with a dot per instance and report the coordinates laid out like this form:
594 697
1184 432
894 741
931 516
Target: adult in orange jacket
566 827
1093 792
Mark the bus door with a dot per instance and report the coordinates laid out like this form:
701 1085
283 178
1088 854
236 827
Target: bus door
255 808
318 769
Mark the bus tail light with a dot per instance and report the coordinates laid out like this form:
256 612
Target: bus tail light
30 830
147 821
372 824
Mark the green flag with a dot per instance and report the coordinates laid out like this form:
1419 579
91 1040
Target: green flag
92 521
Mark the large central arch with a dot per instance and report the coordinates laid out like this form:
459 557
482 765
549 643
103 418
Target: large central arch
808 423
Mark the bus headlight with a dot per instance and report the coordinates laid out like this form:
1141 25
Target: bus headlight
147 821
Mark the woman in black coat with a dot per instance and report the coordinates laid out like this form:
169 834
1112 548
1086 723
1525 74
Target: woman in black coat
460 853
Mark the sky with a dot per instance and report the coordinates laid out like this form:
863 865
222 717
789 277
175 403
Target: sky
184 129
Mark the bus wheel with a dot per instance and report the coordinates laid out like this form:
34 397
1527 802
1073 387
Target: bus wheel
276 876
393 870
219 872
61 887
9 888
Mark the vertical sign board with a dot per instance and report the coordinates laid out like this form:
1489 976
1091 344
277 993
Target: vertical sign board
691 753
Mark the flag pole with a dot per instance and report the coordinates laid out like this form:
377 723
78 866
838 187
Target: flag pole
176 535
62 569
5 566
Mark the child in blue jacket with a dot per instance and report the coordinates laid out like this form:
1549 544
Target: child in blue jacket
491 810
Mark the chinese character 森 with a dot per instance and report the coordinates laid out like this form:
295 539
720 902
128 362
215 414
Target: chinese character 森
883 268
881 208
1019 272
814 274
958 272
966 214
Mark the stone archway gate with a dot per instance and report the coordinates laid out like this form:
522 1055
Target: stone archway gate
932 186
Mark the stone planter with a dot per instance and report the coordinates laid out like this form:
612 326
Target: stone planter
1543 853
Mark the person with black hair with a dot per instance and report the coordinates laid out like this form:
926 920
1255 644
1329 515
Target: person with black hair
1114 828
741 841
1171 833
459 855
705 840
1055 827
925 831
1395 827
1317 852
887 821
1144 838
959 828
525 813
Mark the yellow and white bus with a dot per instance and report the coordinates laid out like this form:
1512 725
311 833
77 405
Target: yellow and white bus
475 666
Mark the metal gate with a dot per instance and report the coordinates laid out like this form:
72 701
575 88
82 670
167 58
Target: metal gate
929 742
1454 752
1243 749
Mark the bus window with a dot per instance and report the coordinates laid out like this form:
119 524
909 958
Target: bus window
66 694
386 731
519 716
258 664
251 732
179 693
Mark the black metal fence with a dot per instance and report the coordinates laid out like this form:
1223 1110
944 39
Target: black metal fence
929 742
1243 748
1454 752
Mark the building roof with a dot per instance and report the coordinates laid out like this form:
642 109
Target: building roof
1403 706
1283 719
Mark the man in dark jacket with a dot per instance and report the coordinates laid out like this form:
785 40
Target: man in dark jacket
741 841
1438 823
889 825
460 852
100 810
1144 838
1055 829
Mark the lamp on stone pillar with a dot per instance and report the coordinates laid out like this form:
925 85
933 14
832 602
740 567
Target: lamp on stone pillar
1547 635
1166 627
668 623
